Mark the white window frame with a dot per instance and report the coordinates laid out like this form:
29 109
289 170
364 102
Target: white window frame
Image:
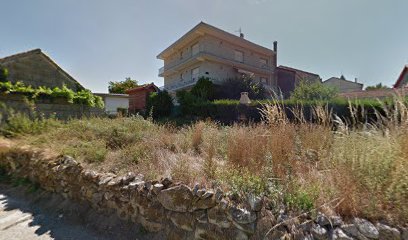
239 56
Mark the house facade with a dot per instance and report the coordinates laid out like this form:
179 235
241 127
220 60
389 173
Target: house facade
114 103
343 85
402 80
207 51
288 78
35 68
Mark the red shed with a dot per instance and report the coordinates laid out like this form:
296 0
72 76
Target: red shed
138 96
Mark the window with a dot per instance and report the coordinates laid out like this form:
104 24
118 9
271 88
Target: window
195 49
264 80
194 73
239 56
181 55
263 62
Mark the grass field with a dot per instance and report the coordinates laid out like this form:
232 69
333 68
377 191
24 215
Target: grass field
359 170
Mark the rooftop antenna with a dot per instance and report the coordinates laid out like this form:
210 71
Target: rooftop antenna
240 32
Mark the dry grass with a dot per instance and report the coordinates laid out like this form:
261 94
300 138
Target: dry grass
302 164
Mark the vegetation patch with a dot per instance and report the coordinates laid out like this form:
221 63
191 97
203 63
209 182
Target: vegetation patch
351 168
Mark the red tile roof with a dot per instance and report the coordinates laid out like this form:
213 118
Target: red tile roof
380 93
399 80
142 87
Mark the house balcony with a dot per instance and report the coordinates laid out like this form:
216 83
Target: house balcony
174 67
161 71
180 84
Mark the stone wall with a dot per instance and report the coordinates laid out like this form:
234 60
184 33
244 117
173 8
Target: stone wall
178 210
58 108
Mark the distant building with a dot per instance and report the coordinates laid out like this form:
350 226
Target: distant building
402 80
288 78
114 103
343 85
375 94
211 52
138 96
35 68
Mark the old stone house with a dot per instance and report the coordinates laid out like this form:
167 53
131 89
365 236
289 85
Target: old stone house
214 53
35 68
343 85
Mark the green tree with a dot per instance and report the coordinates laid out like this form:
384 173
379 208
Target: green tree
313 91
122 86
203 89
160 104
376 87
3 74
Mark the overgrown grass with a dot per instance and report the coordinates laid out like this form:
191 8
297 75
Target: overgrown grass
355 170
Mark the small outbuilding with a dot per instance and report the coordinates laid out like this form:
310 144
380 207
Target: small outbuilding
115 103
138 96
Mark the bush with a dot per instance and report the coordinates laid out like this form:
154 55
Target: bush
204 89
313 91
81 97
16 123
160 104
3 74
227 110
232 88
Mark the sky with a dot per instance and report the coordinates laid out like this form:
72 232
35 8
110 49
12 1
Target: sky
97 41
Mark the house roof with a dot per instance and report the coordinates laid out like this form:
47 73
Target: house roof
38 51
297 70
401 76
344 80
143 87
203 27
380 93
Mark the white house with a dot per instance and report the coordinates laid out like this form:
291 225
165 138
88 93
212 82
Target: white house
114 102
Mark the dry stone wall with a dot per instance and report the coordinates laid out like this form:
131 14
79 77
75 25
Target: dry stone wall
176 209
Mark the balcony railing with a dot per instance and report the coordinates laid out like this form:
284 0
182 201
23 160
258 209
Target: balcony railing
161 71
180 84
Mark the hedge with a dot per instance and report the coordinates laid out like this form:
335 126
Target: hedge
228 111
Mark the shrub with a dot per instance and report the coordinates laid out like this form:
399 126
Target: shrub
82 97
3 74
204 89
232 88
313 91
17 123
160 104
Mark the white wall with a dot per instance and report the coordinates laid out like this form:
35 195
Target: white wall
113 103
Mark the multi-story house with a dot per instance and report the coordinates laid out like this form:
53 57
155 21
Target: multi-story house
211 52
